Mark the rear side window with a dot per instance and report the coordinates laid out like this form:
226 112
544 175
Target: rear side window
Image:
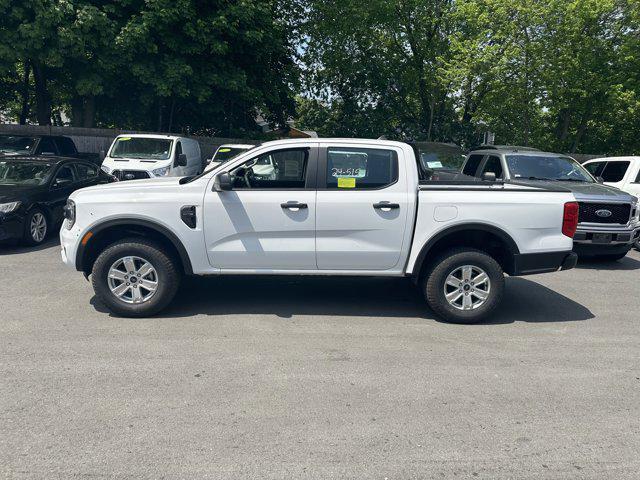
361 168
66 146
614 171
471 167
638 178
595 168
493 165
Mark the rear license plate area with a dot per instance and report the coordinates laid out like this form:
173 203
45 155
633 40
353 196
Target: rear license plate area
601 238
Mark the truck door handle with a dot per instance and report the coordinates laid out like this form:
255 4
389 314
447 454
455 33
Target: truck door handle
386 206
293 205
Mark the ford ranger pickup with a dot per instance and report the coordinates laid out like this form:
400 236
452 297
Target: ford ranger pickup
324 207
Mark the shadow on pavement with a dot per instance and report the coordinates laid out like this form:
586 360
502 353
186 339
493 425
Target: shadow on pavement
17 248
524 300
627 263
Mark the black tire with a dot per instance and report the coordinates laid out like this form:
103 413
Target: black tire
609 257
447 263
167 277
28 237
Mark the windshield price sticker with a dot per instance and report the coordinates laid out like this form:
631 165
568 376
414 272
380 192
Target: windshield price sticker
224 150
124 139
346 182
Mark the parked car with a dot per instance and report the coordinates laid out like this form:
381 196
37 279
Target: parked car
140 156
609 223
42 145
226 152
334 207
34 191
619 172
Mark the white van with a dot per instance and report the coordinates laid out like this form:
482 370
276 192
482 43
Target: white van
139 156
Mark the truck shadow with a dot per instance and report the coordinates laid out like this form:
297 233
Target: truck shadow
524 301
627 263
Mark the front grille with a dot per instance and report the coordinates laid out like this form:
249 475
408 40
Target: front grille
620 213
130 174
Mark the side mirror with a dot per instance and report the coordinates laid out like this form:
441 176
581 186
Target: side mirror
223 182
600 179
181 160
489 177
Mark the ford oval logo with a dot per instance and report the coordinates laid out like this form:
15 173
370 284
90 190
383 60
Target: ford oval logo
603 213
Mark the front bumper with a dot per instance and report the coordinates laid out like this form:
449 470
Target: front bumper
601 239
11 227
69 241
532 263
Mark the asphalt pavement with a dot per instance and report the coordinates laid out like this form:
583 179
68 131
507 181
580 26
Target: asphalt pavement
319 378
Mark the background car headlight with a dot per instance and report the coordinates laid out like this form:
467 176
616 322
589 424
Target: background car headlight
161 172
105 169
9 207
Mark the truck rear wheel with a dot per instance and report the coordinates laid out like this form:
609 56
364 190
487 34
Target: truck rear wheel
464 285
135 277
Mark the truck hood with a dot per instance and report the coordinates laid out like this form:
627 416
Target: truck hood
585 191
131 185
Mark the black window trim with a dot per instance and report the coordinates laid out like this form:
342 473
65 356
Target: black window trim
311 173
323 162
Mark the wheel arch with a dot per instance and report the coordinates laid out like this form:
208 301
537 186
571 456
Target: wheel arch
488 238
109 231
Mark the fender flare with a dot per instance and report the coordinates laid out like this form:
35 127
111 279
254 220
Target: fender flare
162 230
498 232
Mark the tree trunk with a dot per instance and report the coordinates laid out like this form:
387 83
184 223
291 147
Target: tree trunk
24 93
77 111
173 106
43 101
88 111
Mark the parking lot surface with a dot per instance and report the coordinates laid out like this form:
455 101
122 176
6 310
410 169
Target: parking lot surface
261 377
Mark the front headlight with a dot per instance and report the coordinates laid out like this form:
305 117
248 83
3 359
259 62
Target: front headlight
70 213
9 207
105 169
161 172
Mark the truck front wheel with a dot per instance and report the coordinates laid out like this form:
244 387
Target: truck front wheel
135 277
464 285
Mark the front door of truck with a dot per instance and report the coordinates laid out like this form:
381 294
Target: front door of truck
267 221
362 208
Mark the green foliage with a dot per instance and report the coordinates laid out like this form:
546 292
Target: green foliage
557 74
167 64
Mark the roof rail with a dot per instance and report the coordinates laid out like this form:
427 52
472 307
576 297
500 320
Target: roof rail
515 148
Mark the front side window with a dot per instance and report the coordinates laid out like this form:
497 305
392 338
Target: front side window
17 145
65 176
494 165
66 146
141 148
281 169
361 168
86 171
471 167
547 167
595 168
47 146
24 173
614 171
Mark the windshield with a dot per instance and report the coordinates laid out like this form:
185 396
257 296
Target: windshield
14 144
224 154
141 147
547 167
24 173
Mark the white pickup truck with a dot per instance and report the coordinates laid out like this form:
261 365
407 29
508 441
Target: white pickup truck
332 207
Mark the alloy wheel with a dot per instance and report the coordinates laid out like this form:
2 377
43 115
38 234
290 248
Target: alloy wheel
132 279
467 287
38 227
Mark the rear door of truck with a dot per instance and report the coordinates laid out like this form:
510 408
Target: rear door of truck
363 204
